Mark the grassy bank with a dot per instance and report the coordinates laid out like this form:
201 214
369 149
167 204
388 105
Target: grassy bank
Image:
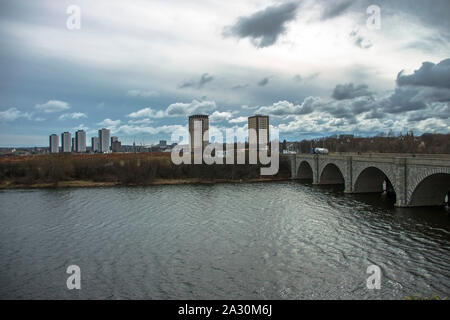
85 170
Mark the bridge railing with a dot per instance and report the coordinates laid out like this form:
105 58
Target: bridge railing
386 155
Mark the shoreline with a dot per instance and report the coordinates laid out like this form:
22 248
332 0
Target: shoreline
9 185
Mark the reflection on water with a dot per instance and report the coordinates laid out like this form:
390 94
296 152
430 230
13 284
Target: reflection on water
245 241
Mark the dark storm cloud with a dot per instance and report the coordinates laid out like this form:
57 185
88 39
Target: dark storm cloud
433 13
263 82
436 110
240 86
187 84
204 79
418 116
403 100
347 109
335 8
413 98
349 91
310 77
361 105
430 75
338 111
265 26
430 44
376 113
420 96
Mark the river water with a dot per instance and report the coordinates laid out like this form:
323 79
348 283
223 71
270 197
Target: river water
281 240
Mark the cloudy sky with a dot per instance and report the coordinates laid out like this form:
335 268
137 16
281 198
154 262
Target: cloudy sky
141 67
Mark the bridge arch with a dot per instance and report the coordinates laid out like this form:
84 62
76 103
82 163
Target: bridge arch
331 174
373 180
305 171
430 190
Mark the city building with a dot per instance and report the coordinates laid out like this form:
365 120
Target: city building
80 141
54 143
203 121
162 146
103 140
258 122
116 146
73 144
114 139
66 142
94 144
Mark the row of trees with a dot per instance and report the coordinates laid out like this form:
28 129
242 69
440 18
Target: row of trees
427 143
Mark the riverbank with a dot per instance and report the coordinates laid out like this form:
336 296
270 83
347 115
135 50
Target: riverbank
106 170
9 185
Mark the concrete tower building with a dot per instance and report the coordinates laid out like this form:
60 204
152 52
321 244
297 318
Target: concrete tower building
80 141
103 140
116 146
203 122
114 138
94 144
54 143
258 122
66 142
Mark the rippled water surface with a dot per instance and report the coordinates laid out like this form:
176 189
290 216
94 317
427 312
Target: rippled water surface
230 241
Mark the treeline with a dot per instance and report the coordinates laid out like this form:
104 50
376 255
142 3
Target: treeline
427 143
140 168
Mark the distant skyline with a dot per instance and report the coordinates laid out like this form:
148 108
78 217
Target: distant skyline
140 68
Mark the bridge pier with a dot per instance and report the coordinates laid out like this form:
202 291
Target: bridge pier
349 175
294 167
400 183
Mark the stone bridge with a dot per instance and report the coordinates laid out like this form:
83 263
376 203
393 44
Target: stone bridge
417 180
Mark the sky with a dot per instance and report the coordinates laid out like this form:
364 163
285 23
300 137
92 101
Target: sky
140 68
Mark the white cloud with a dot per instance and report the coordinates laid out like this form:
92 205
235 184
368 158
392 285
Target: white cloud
132 129
246 107
109 124
433 125
85 128
141 93
179 109
75 115
13 114
218 116
185 109
239 120
52 106
141 121
284 108
147 113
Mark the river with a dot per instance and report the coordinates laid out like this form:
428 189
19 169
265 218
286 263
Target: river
283 240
